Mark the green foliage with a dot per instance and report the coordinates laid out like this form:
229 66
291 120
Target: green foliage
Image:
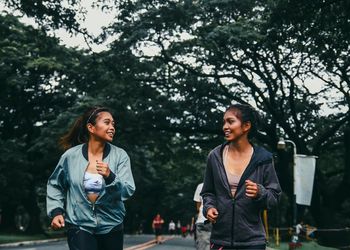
168 103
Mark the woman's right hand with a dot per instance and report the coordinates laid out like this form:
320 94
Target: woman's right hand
212 214
57 222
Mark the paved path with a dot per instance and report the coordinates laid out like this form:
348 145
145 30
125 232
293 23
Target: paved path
131 242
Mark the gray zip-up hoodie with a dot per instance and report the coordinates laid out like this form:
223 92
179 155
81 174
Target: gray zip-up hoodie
239 221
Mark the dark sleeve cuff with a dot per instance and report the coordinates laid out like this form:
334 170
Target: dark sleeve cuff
57 211
110 178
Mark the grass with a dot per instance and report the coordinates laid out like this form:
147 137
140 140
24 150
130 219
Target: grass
19 237
10 238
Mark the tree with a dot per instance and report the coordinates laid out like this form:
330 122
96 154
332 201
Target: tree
39 79
206 54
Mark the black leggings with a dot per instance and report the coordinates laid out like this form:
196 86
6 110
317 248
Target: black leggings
81 240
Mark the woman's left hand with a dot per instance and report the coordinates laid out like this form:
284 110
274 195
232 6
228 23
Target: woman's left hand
103 169
251 189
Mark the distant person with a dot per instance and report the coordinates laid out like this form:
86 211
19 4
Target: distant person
22 219
178 227
192 226
240 182
299 227
171 227
202 229
157 225
184 231
85 193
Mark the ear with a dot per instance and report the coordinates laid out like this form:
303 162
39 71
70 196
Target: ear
246 126
90 127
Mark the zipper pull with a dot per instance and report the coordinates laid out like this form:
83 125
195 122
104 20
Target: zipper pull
93 207
233 201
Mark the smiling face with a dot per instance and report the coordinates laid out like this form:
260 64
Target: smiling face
104 128
233 127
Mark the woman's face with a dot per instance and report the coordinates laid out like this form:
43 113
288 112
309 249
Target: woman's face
104 127
233 127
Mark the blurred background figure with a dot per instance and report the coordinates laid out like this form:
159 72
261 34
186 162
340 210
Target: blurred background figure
157 227
202 229
171 227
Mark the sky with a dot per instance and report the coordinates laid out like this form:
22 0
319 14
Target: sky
95 20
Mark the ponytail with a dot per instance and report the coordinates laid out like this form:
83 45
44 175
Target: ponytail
79 133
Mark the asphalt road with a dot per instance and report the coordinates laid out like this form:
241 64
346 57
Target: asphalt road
131 242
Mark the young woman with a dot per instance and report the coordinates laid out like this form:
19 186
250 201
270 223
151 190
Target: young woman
85 193
240 181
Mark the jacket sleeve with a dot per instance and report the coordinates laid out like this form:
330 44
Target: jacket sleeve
122 181
270 190
56 190
208 191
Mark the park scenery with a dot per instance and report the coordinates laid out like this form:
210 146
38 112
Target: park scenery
167 70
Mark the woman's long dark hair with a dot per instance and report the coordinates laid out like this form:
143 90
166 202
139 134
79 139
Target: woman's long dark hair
79 133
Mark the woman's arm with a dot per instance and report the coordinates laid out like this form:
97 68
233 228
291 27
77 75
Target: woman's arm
208 191
56 189
122 181
270 191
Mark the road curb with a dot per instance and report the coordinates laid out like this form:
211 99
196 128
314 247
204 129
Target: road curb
30 242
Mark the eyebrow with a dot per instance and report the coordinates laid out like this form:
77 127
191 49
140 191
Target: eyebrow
107 119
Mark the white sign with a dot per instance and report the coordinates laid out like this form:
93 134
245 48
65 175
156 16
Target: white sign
304 172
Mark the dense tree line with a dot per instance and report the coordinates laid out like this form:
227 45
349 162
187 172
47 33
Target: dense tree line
169 103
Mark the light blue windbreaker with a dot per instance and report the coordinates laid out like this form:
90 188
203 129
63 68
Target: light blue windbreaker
65 190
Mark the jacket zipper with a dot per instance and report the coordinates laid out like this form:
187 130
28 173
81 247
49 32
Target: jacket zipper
87 199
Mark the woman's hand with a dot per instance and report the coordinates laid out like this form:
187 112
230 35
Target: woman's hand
212 214
103 169
57 222
251 189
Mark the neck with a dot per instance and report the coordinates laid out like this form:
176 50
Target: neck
95 147
240 146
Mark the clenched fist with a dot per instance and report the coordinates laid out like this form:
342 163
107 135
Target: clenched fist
251 189
212 214
57 222
103 169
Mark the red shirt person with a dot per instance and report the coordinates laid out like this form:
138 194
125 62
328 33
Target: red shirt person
157 227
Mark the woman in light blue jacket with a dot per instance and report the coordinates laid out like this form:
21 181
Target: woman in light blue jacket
85 193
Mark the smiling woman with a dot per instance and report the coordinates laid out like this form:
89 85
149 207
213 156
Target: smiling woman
240 182
90 174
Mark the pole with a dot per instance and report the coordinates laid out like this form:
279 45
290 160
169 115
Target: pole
295 212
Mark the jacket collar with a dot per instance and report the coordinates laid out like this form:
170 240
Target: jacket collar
106 151
259 155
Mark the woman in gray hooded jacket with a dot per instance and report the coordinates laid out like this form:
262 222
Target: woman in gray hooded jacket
240 182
